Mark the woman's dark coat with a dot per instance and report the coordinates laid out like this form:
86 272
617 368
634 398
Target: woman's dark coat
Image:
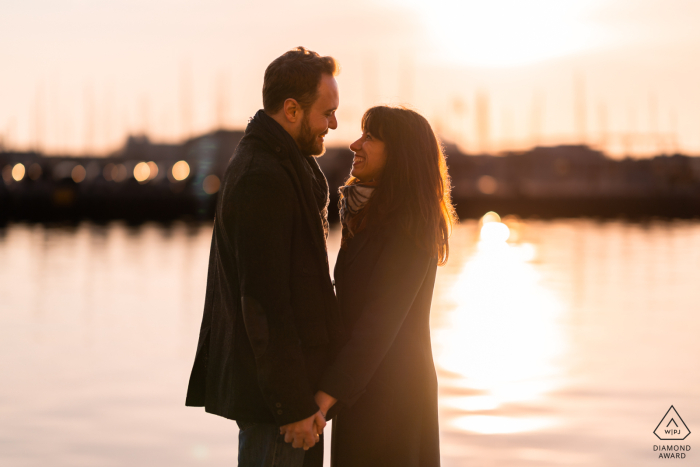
270 309
384 374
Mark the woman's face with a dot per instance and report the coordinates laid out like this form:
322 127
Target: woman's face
370 158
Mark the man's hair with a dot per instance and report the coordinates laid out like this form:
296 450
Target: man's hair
295 75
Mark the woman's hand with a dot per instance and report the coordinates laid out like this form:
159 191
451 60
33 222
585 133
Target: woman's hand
324 401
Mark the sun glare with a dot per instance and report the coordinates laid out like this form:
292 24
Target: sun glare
508 32
503 339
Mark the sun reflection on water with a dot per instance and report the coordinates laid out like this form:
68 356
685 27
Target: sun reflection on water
503 338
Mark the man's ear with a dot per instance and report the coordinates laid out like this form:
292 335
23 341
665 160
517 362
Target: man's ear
292 110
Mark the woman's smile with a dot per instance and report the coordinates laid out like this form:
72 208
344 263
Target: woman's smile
370 158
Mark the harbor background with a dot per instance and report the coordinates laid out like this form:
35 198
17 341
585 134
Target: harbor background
564 345
565 324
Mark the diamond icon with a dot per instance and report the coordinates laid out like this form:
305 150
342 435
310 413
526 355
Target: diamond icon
672 426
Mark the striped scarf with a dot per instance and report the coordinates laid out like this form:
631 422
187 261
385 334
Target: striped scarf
355 198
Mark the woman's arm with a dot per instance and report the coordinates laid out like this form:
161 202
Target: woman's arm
393 285
325 401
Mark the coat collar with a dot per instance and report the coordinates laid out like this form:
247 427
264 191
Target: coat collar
265 129
302 183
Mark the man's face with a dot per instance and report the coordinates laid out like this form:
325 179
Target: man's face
319 118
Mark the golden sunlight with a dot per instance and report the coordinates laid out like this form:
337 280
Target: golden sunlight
503 338
508 32
487 424
494 232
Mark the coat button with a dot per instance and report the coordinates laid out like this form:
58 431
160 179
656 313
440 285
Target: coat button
278 405
278 149
279 412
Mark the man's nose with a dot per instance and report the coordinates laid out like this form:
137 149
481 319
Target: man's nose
333 122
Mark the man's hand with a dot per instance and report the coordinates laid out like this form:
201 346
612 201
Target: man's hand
304 433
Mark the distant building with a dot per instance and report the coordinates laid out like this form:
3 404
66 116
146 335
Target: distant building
144 180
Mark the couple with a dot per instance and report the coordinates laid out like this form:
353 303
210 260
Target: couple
278 352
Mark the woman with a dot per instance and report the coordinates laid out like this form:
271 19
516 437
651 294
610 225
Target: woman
396 215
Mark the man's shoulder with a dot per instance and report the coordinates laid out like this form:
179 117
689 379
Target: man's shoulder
256 167
257 152
265 177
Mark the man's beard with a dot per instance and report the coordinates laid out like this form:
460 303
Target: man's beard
308 142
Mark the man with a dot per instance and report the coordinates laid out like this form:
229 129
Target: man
270 312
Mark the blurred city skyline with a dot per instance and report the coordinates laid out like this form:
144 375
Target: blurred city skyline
492 76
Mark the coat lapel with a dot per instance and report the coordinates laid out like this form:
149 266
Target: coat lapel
283 145
356 244
312 217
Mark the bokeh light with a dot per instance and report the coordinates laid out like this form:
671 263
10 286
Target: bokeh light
78 173
153 170
34 171
119 173
487 184
142 172
7 173
490 216
515 226
181 170
18 172
107 172
493 233
211 184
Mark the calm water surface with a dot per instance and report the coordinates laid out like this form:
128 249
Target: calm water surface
565 345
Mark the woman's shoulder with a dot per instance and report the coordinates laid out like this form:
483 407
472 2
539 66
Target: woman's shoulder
398 238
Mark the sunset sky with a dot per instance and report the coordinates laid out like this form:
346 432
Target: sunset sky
78 76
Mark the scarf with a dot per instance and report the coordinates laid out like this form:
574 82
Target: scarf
355 198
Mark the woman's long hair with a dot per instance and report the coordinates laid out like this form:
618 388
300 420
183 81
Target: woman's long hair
414 189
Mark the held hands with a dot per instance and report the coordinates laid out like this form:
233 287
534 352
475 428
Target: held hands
304 433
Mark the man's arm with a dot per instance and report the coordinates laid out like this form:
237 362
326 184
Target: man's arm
258 217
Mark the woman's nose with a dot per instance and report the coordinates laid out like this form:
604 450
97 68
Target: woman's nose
354 147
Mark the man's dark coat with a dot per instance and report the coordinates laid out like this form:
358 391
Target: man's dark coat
270 313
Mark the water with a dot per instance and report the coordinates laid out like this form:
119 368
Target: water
565 346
